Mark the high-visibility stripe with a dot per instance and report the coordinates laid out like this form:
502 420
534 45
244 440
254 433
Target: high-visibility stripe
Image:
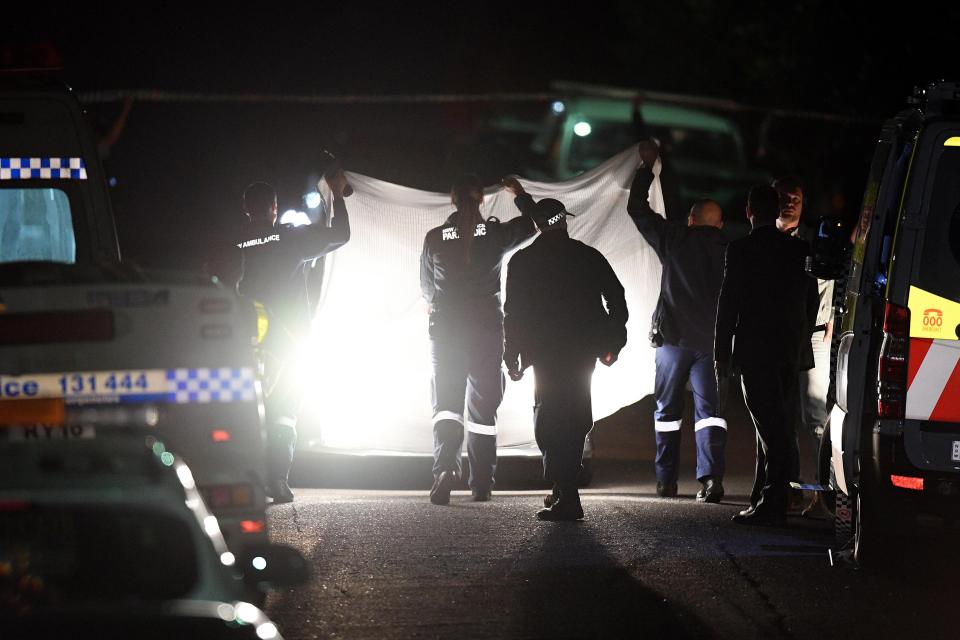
931 379
918 351
948 407
287 421
710 422
482 429
673 425
447 415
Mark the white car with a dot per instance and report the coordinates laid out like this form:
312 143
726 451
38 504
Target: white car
113 532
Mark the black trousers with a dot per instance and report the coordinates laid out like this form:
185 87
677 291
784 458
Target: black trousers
771 395
562 412
467 370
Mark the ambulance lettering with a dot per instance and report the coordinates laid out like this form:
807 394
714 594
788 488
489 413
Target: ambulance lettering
258 241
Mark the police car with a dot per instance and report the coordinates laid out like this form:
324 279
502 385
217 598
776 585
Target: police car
80 328
894 434
87 525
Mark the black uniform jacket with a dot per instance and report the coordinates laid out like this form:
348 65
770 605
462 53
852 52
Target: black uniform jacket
556 290
768 303
451 283
274 257
692 259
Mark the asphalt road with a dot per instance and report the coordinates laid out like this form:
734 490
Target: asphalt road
388 564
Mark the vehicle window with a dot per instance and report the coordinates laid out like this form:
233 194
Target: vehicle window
36 224
607 138
940 263
68 555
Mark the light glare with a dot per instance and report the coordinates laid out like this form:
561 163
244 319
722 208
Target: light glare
582 128
313 200
295 218
259 563
267 631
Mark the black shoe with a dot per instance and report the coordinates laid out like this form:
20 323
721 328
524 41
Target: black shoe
481 495
711 491
667 489
279 491
762 518
442 486
747 511
562 511
548 500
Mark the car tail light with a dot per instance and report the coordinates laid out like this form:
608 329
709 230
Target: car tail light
228 496
892 374
907 482
220 435
253 526
94 325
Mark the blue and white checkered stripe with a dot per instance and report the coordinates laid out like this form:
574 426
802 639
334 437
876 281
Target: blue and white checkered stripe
189 386
43 169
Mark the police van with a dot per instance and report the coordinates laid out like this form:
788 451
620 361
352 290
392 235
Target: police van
894 434
79 328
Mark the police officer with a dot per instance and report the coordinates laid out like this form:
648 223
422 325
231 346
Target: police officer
460 280
682 330
556 321
273 260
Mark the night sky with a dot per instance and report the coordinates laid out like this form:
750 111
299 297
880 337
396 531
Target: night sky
184 165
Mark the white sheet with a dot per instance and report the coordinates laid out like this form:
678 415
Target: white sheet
368 367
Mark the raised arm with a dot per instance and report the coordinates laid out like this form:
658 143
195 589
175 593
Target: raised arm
315 241
519 230
652 226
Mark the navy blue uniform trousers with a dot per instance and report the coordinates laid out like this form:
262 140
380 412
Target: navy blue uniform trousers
676 365
466 369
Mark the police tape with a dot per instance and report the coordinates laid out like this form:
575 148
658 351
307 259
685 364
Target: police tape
176 386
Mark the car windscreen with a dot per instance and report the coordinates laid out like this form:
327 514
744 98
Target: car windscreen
36 225
606 138
66 555
940 261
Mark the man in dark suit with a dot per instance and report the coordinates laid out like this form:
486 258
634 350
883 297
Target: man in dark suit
767 308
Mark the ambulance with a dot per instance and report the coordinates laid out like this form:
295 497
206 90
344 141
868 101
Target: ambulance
82 330
893 443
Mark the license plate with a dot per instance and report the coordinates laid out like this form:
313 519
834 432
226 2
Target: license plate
46 433
956 450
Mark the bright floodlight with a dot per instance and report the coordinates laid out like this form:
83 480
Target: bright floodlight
313 200
582 128
558 107
294 217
